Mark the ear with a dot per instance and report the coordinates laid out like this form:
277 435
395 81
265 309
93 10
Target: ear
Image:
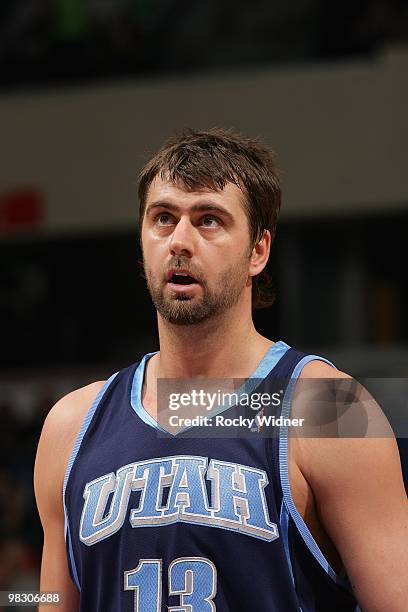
260 254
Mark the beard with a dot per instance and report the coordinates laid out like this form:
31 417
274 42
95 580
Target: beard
184 309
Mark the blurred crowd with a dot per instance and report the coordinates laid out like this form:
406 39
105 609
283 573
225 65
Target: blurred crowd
58 40
20 529
23 408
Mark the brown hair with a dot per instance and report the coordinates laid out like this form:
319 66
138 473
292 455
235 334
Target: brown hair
212 158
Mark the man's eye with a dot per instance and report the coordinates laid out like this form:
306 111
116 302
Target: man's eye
163 219
210 221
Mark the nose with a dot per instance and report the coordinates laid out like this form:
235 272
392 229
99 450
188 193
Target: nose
182 238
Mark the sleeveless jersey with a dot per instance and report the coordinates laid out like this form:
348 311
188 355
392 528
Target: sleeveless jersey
191 523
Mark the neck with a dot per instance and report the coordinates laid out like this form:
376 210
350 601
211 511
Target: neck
227 345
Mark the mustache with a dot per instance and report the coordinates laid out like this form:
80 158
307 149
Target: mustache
185 265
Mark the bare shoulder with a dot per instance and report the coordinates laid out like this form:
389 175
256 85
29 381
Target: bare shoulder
324 387
320 369
349 433
65 418
310 387
70 410
344 424
58 435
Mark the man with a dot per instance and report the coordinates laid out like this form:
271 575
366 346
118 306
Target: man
138 517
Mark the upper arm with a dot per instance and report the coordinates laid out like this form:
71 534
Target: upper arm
362 504
361 501
55 445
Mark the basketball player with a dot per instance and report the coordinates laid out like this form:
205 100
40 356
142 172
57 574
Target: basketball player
138 518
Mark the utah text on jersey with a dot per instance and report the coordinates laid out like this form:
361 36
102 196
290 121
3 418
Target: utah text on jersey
173 489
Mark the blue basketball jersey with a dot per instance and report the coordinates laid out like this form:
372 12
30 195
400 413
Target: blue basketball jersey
187 522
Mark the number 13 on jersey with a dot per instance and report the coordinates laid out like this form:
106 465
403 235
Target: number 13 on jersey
193 579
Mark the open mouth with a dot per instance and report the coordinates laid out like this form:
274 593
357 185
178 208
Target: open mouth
182 279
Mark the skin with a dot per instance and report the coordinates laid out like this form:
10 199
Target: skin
343 488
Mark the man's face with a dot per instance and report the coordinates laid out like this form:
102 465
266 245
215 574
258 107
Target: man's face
196 250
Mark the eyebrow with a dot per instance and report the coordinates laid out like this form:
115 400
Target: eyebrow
203 207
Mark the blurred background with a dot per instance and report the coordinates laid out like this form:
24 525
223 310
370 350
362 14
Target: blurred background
88 90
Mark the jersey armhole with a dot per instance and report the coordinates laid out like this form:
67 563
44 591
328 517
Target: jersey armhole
78 441
288 506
